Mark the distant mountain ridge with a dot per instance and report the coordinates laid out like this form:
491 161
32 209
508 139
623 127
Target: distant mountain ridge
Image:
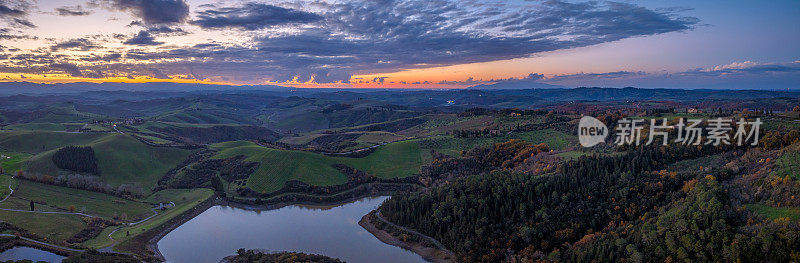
516 84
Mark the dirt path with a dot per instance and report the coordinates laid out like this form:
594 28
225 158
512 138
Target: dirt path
104 249
412 231
36 212
438 254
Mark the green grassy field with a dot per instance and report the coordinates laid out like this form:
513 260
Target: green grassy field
572 155
394 160
279 166
87 202
5 180
379 137
770 212
12 161
788 165
38 126
453 146
184 200
121 159
399 159
34 142
49 226
443 123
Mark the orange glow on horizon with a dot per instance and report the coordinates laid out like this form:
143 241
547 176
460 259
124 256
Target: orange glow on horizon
62 78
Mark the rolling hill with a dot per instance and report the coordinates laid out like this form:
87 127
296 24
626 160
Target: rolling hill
394 160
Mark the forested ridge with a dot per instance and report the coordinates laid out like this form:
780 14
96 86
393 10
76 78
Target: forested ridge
620 207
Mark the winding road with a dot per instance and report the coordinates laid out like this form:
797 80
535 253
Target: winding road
105 249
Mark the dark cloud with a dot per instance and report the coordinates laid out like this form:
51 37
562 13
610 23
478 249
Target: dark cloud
150 11
75 44
596 76
104 58
8 34
6 10
68 68
143 38
14 13
331 75
23 22
76 10
469 81
745 75
252 16
166 30
380 36
379 79
747 67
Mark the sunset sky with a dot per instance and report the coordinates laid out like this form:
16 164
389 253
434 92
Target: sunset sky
404 44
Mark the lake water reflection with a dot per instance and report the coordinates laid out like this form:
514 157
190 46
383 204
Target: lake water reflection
330 231
33 254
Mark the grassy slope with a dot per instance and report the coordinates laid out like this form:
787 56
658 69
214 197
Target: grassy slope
770 212
52 227
555 139
379 137
40 141
38 126
184 200
5 180
394 160
121 159
279 166
400 159
84 201
13 163
788 164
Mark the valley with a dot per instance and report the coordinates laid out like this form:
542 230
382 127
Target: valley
137 179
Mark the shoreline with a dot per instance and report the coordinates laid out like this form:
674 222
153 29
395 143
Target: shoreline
428 253
151 244
152 236
279 205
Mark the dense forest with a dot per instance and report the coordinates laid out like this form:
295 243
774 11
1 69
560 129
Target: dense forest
616 207
253 256
76 158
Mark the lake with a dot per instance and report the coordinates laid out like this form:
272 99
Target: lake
331 231
33 254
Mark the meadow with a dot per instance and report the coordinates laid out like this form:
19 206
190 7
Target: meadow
788 164
93 203
394 160
453 146
121 158
793 213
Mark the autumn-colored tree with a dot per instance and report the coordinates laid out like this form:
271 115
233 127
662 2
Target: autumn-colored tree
71 209
791 137
796 108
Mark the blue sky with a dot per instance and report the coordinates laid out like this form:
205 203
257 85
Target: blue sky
404 43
